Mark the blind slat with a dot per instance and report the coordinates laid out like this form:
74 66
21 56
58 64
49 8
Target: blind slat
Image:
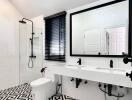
55 38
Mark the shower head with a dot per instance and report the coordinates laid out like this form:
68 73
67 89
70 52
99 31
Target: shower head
23 22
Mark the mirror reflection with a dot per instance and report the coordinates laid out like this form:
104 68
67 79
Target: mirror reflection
101 31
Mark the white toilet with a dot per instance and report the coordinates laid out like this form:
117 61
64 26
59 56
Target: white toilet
41 89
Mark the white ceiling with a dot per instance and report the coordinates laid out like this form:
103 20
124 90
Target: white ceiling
33 8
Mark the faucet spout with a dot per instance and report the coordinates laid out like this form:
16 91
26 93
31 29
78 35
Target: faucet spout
79 61
111 63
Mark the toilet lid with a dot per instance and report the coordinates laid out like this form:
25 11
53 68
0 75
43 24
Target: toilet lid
40 81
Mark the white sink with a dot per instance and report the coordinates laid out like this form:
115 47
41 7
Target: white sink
74 66
88 68
111 69
98 69
115 76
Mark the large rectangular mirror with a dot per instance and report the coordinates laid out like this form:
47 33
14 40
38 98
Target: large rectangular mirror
101 31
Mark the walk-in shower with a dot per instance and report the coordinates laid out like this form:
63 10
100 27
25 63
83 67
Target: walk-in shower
30 50
32 56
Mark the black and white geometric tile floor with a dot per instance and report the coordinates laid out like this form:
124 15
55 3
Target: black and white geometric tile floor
23 92
62 97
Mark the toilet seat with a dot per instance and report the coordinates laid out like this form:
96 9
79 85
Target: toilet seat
39 82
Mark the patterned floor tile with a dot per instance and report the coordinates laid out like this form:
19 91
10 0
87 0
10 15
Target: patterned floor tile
61 97
23 92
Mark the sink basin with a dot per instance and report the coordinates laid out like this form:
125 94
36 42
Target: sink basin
98 69
74 66
111 69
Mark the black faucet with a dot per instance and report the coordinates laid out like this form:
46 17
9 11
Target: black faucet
129 75
79 61
111 63
126 60
43 70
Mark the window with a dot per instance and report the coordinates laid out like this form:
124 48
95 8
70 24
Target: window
55 37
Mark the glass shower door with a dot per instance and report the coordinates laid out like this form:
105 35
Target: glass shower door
26 73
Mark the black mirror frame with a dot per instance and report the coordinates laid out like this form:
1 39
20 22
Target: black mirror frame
129 29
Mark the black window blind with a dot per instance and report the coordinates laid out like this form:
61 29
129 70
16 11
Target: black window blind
55 37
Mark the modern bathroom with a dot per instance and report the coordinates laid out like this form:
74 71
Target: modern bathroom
65 50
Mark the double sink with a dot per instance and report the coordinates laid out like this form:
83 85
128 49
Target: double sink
100 69
116 76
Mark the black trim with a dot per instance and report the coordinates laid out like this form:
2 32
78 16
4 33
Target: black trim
130 29
99 6
55 15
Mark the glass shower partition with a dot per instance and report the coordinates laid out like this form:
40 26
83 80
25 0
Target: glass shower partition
26 74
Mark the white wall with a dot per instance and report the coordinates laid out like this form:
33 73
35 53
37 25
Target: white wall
9 45
89 91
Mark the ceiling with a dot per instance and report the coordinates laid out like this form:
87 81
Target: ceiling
33 8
